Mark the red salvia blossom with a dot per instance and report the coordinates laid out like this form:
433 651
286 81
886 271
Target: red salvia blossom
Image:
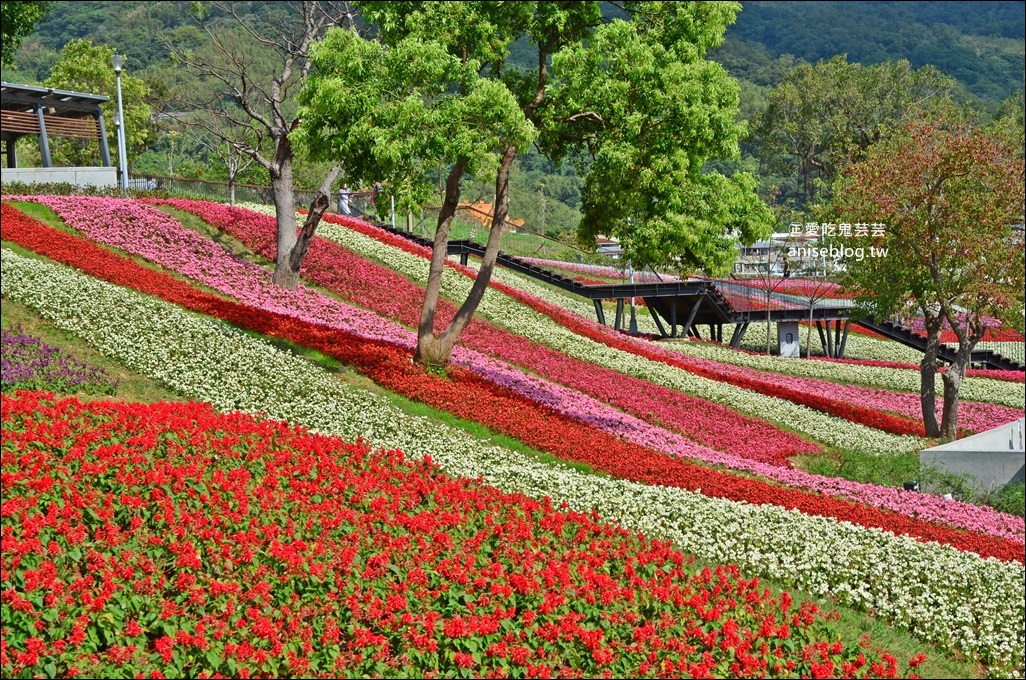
322 558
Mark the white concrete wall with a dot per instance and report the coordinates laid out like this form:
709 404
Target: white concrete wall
97 177
993 458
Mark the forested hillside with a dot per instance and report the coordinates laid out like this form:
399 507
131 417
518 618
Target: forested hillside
979 43
976 48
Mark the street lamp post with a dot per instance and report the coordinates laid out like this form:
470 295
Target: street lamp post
117 62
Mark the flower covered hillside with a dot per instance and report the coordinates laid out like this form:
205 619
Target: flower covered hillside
171 538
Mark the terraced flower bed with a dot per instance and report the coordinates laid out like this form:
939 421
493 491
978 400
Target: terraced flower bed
975 613
310 307
487 401
170 538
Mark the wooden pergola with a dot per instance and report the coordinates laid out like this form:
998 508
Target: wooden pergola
45 112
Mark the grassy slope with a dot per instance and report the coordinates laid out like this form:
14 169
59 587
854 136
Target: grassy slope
852 624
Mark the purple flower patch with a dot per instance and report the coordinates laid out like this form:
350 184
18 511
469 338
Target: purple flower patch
26 362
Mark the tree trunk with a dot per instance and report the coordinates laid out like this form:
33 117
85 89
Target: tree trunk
968 337
318 206
928 377
430 350
231 191
952 384
285 209
436 350
808 337
460 322
293 246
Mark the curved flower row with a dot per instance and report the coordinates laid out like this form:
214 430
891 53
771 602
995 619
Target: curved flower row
986 373
596 344
37 236
472 399
898 377
973 416
359 552
976 606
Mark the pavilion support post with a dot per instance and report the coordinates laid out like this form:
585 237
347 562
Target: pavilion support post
650 303
837 336
619 314
691 316
739 334
104 148
673 320
12 153
830 341
733 336
599 312
44 141
822 336
465 258
844 339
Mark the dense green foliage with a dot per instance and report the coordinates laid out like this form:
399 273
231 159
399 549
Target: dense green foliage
19 18
649 110
85 67
824 116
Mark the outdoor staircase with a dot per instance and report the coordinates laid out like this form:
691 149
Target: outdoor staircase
907 336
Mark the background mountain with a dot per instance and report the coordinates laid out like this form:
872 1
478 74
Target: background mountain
981 44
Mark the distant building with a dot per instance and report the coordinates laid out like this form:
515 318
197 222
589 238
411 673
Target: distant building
775 253
608 246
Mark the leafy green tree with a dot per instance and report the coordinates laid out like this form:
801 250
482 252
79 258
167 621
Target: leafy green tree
17 20
397 108
85 67
439 87
947 195
247 77
824 116
649 111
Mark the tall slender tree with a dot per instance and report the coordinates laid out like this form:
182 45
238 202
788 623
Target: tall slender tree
258 101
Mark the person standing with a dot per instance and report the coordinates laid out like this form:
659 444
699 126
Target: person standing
374 194
343 199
